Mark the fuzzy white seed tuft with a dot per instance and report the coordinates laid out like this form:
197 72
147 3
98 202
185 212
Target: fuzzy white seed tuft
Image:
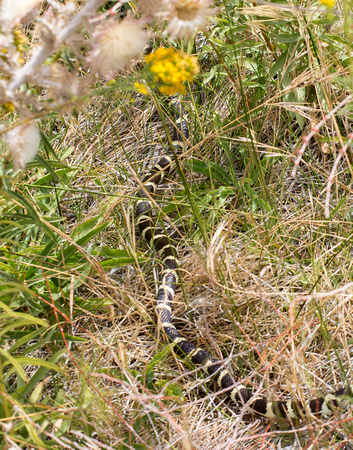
23 142
185 16
116 46
12 11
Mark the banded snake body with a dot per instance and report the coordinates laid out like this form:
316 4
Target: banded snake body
168 283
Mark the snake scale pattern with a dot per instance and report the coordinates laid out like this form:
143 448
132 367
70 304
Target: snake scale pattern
168 283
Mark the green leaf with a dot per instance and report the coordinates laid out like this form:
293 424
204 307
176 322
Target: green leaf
47 145
39 375
57 175
278 65
25 336
30 318
32 213
87 397
122 260
288 38
209 169
338 207
93 231
15 324
28 361
152 364
45 253
14 362
36 394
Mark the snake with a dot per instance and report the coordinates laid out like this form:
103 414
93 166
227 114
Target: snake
238 393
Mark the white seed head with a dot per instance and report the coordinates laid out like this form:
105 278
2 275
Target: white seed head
185 16
23 142
116 46
13 10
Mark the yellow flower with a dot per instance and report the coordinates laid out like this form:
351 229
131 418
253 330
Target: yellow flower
9 107
141 88
172 90
329 3
170 69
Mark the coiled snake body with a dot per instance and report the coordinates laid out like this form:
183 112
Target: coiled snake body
238 393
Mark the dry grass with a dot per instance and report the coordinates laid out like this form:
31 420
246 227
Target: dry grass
243 284
240 298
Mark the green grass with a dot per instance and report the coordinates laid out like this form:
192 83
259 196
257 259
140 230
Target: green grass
80 358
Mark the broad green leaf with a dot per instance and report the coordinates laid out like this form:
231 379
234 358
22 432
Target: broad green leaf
16 324
278 65
84 239
58 175
11 313
39 375
23 337
209 169
87 397
45 253
36 394
9 359
27 361
288 38
112 252
122 261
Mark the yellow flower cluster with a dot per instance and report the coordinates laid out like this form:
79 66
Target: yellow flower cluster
8 107
329 3
170 69
141 88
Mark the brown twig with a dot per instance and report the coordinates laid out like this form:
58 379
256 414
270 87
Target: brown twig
315 129
341 152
